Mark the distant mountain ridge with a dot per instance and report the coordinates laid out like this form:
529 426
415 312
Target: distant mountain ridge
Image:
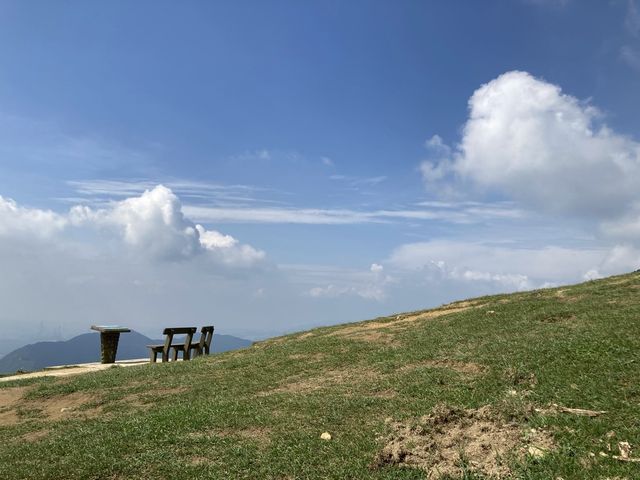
85 348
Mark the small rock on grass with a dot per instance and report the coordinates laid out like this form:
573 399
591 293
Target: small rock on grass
325 436
536 452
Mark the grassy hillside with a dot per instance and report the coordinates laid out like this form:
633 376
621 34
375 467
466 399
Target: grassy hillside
473 389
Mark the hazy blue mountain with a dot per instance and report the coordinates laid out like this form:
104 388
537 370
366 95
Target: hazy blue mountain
86 348
7 345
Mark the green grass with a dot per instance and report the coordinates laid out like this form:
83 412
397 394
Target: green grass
258 413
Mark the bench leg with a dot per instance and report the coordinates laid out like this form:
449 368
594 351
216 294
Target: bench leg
175 354
152 356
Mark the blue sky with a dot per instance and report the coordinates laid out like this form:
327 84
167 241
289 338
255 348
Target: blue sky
344 159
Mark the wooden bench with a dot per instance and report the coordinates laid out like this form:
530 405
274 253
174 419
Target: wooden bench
168 344
202 347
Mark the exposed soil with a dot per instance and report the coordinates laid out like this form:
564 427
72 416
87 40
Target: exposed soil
450 440
34 436
15 409
359 331
564 296
9 399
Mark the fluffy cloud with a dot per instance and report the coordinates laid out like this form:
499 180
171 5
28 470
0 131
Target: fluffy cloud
139 261
29 222
528 140
376 268
151 225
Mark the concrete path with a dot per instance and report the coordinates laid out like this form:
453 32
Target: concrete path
68 370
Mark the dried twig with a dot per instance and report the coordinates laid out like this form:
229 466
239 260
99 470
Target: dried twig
555 408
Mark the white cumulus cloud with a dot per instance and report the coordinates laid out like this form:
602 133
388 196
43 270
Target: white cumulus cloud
150 225
528 140
31 222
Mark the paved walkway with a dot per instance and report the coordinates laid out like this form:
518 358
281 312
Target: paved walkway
68 370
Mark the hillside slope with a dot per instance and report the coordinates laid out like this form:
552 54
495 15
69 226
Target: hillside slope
85 348
536 385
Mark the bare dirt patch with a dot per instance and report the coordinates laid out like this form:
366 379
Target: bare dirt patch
16 409
445 441
564 295
34 436
9 399
462 304
359 331
329 378
58 408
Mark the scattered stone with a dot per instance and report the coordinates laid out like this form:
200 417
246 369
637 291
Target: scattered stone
625 453
625 449
535 452
325 436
